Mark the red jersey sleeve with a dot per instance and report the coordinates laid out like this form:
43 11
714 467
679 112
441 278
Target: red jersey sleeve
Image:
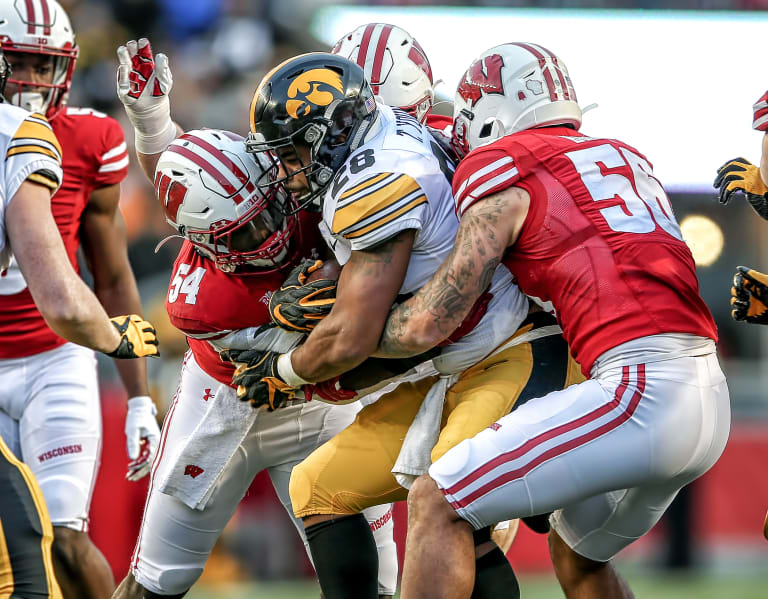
484 171
112 156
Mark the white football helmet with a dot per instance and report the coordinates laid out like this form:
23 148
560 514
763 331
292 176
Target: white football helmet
510 88
222 199
394 64
40 27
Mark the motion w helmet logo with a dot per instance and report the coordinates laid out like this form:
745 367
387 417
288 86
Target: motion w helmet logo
317 86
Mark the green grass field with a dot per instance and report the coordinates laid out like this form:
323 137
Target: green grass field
645 586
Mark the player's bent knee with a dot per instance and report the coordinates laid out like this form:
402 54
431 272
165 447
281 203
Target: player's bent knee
425 498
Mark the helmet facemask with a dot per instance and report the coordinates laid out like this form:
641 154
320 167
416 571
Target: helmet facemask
46 98
262 240
227 202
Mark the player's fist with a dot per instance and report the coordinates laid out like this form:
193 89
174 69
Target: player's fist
257 378
306 296
749 296
740 175
142 436
760 113
138 338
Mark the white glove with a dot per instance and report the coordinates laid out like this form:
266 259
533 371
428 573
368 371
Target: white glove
142 436
143 85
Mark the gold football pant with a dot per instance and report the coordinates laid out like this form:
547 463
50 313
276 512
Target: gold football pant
26 534
352 471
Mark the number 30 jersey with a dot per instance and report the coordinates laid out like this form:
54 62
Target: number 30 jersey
600 240
397 180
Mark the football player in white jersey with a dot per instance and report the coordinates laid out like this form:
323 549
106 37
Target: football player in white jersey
204 179
30 174
383 184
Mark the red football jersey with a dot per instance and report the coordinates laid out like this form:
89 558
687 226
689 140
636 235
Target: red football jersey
94 156
441 122
600 240
205 303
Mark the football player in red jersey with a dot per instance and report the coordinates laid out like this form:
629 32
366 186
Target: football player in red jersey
39 44
581 222
397 68
237 250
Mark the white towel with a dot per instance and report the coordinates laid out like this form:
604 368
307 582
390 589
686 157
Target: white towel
210 447
222 429
414 458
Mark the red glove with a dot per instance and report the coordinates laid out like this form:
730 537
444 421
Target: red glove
330 391
760 109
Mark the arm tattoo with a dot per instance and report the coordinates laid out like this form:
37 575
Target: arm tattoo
446 299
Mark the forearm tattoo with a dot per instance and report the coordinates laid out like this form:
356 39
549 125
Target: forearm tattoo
448 296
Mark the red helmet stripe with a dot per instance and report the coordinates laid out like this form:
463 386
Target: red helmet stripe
418 56
379 56
542 54
176 194
362 53
30 16
542 63
161 188
205 165
46 17
220 156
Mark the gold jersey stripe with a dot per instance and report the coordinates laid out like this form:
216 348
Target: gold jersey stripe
365 184
43 180
36 130
6 571
33 149
368 205
417 201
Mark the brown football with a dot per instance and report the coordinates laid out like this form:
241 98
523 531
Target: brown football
329 270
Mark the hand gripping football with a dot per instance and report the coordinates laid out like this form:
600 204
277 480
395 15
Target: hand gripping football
306 297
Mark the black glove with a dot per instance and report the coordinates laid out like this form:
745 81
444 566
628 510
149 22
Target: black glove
299 305
257 379
740 175
749 296
138 338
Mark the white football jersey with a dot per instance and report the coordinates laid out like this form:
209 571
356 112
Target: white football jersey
30 151
397 180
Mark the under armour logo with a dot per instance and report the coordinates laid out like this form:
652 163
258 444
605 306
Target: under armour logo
207 395
193 471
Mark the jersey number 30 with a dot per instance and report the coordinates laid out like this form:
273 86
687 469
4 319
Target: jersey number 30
645 203
186 283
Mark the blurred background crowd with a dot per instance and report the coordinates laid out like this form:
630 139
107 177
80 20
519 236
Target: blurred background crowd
218 51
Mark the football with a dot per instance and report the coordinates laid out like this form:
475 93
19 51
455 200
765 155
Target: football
329 270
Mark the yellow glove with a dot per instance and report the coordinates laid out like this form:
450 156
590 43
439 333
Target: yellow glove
740 175
138 338
749 296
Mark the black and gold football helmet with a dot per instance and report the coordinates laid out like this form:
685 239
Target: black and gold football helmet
317 105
